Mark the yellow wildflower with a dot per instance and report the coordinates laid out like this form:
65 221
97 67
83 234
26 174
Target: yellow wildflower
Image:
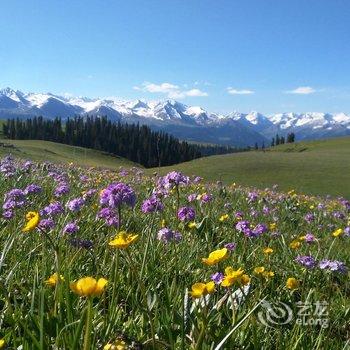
258 270
268 250
89 286
191 225
202 289
54 279
119 344
295 244
272 226
245 279
292 283
234 276
2 343
338 232
30 215
123 240
33 219
268 274
216 256
223 217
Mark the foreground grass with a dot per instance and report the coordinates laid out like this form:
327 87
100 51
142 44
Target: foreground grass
315 167
146 303
59 153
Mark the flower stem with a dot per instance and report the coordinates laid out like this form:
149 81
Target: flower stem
88 326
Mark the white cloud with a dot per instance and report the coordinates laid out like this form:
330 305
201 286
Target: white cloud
163 88
195 92
233 91
302 90
171 90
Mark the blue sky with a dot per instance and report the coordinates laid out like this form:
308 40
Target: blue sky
265 55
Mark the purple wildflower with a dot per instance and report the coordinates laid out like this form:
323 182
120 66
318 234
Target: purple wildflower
7 167
239 215
230 246
258 230
152 204
309 238
173 179
88 194
346 204
217 277
306 260
252 197
110 217
266 210
338 215
166 235
321 206
206 198
347 231
192 197
123 173
117 194
75 204
186 214
46 224
333 265
242 226
309 217
52 209
31 189
71 227
61 189
14 199
7 214
83 178
197 179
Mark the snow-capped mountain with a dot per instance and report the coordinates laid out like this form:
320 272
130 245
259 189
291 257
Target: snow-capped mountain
310 125
185 122
255 120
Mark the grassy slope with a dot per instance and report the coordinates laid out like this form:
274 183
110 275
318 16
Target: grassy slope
315 167
56 152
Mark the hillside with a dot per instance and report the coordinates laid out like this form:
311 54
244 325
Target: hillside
60 153
315 167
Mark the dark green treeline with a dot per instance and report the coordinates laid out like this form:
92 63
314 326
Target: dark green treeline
135 142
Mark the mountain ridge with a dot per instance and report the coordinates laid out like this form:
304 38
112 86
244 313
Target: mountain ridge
187 122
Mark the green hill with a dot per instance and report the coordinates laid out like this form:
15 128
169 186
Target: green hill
315 167
60 153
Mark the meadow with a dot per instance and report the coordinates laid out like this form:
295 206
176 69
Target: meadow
105 259
60 153
319 167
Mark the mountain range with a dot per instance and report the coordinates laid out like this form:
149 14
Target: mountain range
185 122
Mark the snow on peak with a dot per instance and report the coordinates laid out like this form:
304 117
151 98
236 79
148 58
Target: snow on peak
169 111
